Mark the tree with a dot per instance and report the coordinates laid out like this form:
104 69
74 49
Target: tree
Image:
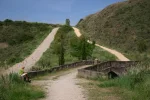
81 48
59 48
62 51
8 20
68 22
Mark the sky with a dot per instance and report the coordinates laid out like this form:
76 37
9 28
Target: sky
51 11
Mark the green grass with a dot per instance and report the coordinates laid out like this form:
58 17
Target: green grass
102 55
122 82
22 38
135 86
13 88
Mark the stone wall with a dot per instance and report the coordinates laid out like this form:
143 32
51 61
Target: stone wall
58 68
89 73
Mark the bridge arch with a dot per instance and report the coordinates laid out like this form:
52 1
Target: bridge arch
112 75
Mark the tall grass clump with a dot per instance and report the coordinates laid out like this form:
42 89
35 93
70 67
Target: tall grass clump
13 88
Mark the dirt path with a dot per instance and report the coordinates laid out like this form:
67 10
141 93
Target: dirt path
35 56
63 86
120 56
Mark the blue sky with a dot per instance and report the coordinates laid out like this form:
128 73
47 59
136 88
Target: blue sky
51 11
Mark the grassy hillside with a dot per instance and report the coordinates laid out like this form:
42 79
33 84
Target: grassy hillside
124 26
50 58
18 39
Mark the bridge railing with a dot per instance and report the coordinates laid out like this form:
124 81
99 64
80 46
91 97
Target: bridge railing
57 68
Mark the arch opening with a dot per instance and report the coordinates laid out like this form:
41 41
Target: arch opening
112 75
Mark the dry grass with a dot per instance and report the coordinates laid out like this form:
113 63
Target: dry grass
94 92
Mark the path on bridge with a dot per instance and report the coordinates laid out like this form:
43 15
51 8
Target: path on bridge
120 56
35 56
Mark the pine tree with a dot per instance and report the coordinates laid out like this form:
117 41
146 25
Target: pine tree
68 22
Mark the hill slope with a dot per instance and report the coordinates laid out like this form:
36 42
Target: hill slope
19 38
124 26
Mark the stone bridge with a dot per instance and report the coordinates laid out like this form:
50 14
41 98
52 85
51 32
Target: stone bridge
111 69
58 68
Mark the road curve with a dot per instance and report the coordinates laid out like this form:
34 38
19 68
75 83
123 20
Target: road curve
35 56
120 56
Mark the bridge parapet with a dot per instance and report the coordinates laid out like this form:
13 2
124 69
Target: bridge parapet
118 67
57 68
